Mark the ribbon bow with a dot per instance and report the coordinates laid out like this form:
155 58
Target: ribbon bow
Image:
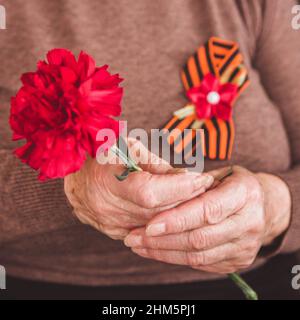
213 79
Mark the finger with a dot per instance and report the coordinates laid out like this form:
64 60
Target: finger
224 267
115 233
220 174
199 239
147 160
212 207
143 215
86 218
153 190
166 188
190 258
240 260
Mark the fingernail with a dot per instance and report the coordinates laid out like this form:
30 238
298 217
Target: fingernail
203 181
133 241
156 229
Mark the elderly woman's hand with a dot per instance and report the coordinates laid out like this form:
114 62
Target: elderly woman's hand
222 230
115 207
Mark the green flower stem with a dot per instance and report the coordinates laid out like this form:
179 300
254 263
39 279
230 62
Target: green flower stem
249 293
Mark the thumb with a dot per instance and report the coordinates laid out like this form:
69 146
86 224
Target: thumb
149 161
220 174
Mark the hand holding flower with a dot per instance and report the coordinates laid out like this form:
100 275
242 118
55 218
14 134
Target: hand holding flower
116 207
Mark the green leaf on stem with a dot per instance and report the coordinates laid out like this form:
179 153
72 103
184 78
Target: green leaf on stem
131 166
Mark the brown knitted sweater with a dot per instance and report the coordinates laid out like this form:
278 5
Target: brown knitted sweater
147 42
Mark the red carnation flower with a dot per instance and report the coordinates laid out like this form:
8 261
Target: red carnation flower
59 110
213 99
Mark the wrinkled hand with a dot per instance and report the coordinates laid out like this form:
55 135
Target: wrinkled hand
115 207
223 229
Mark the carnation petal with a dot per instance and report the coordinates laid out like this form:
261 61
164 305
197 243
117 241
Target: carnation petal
102 79
106 101
68 75
86 65
28 78
61 57
92 128
62 161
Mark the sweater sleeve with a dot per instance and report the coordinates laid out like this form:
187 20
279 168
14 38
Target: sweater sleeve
278 63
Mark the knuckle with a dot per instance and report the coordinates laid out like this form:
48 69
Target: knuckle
146 197
150 242
241 190
181 224
193 240
142 199
249 261
255 191
191 260
252 246
196 259
198 240
249 247
262 219
212 211
257 225
151 200
260 227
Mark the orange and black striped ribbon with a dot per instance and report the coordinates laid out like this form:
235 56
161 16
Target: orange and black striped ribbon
223 59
